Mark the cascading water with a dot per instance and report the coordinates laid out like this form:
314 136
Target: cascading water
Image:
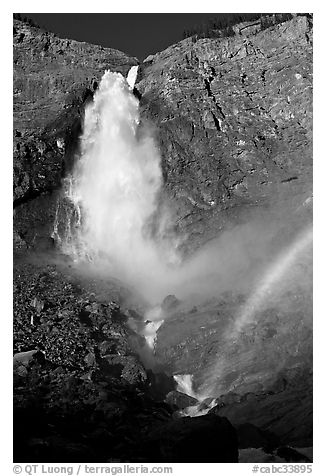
185 385
114 189
113 219
110 202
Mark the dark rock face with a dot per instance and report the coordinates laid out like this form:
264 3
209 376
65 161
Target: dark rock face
233 117
285 413
195 440
259 455
234 122
180 400
53 80
290 454
262 378
250 436
277 339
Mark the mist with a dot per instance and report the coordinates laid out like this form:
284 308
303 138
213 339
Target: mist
122 229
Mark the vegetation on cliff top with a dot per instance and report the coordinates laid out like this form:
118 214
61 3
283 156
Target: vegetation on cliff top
222 25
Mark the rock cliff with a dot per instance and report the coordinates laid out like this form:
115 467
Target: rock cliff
234 121
53 80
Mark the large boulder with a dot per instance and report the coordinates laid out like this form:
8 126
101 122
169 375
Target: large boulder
205 439
287 414
180 400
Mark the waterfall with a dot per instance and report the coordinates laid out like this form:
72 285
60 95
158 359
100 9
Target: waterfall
114 220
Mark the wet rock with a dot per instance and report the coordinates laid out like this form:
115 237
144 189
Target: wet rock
206 404
283 414
180 400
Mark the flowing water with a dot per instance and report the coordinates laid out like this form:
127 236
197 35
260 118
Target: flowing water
114 219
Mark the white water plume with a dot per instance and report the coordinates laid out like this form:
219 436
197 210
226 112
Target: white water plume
200 409
154 318
132 76
115 187
185 384
150 331
114 190
117 223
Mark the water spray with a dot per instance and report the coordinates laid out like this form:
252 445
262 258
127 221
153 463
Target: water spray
263 292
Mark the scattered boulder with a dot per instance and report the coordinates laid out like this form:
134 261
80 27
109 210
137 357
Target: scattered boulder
24 358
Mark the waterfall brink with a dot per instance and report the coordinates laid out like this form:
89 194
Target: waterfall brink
114 189
264 293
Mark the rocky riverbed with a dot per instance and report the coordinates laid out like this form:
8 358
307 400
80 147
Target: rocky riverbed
81 392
